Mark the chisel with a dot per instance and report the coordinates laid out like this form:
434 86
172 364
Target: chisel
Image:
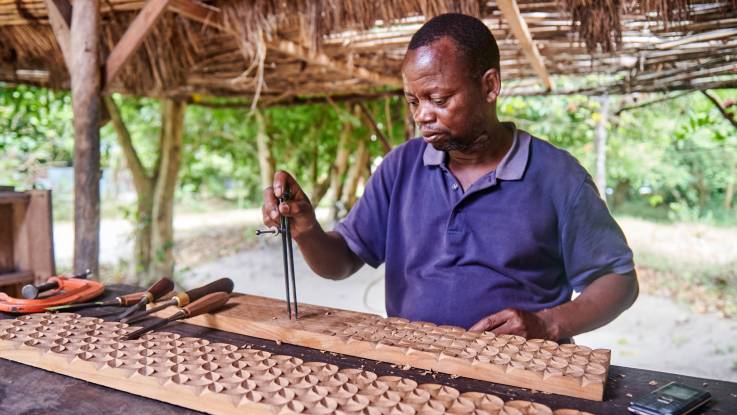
182 299
156 291
122 301
205 304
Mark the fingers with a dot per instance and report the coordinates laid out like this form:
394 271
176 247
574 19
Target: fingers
294 207
491 322
511 327
481 325
283 181
270 209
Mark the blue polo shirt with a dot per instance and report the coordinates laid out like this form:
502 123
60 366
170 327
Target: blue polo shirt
523 236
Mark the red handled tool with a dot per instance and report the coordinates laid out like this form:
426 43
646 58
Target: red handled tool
66 291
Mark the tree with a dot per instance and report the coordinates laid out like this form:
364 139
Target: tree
155 186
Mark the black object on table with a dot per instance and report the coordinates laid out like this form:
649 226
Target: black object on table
28 390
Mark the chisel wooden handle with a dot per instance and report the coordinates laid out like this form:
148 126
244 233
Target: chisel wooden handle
130 299
223 284
206 304
161 287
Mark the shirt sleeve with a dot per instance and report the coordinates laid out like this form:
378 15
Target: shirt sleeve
592 243
365 227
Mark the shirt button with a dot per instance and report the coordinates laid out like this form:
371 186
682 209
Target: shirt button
454 186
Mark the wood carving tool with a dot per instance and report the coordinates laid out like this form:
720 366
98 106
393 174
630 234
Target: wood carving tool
153 293
287 255
206 304
68 290
31 291
183 298
122 301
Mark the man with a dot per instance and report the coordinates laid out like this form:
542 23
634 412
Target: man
479 224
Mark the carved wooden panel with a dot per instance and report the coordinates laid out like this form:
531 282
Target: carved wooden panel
221 378
564 369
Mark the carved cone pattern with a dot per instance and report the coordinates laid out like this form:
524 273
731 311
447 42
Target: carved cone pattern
255 379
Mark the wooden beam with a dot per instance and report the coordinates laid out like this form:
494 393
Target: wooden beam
85 81
132 38
514 19
722 110
321 59
380 134
651 102
60 18
698 37
200 12
212 16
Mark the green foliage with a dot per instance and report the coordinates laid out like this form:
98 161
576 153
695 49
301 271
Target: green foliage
35 131
677 156
220 154
142 117
674 159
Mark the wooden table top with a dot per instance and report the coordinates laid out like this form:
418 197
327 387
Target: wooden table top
26 390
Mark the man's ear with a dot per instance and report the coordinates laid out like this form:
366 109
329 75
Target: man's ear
491 84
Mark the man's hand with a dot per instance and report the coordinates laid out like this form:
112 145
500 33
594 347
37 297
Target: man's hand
298 207
599 303
326 253
521 323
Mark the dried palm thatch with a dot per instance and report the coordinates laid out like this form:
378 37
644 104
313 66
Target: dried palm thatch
39 50
309 21
280 50
313 19
158 66
600 20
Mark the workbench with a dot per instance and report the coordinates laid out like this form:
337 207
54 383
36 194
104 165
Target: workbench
26 390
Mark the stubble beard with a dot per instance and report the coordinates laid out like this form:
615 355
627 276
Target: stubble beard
451 144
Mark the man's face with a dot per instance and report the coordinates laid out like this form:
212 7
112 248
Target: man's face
447 104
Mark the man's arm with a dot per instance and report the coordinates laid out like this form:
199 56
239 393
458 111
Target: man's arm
600 302
327 254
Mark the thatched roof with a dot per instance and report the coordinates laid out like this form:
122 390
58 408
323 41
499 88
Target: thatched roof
202 49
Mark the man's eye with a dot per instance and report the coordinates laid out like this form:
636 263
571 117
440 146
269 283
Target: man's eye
439 101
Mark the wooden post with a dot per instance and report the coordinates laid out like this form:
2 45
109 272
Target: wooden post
265 159
601 147
85 81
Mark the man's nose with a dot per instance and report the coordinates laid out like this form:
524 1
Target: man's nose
424 113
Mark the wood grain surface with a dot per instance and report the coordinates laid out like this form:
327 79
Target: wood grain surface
566 369
222 378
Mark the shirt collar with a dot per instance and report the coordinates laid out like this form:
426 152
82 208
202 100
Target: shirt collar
512 166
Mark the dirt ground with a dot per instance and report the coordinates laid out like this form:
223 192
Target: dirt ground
656 333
